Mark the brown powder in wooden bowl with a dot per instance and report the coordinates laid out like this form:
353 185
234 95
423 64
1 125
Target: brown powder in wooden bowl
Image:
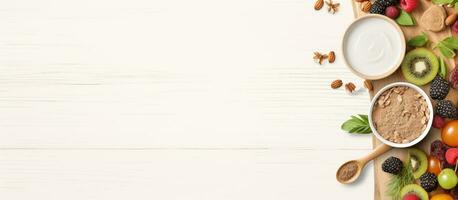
347 171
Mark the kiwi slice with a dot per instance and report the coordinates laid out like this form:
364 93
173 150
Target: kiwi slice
414 189
420 66
419 162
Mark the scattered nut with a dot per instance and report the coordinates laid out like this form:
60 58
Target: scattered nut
319 4
350 87
360 1
451 19
368 85
336 84
319 57
331 57
332 7
366 6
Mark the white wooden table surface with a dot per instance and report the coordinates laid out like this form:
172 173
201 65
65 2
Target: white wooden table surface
174 99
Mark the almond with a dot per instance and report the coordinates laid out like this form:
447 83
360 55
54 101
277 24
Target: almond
336 84
319 4
350 87
366 6
451 19
331 57
368 85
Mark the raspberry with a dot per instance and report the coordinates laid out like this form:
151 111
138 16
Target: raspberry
438 122
455 27
451 155
409 5
392 12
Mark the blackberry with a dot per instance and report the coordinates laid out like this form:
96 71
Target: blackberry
446 109
392 165
386 3
428 181
439 88
377 8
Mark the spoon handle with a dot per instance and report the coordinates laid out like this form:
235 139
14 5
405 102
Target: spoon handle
381 149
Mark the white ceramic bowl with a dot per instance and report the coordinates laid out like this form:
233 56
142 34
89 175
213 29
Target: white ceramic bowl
362 22
428 126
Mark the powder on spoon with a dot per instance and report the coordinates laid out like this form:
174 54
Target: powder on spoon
347 171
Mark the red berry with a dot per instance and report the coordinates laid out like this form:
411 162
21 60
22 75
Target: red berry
409 5
451 155
411 197
455 27
392 12
453 77
438 122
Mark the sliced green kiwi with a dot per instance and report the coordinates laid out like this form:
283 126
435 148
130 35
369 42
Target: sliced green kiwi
414 189
419 162
420 66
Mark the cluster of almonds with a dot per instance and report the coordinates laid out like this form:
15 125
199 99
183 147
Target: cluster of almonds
366 5
332 7
319 57
350 87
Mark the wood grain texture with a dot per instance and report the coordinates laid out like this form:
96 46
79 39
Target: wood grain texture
381 178
156 99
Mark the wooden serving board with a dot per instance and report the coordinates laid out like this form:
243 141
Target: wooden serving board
382 178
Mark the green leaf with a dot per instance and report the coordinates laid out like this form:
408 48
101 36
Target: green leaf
442 68
456 6
446 52
418 41
405 19
451 42
357 124
442 1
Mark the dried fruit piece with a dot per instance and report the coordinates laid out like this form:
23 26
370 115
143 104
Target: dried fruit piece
336 84
368 85
319 4
366 6
453 78
331 57
451 19
350 87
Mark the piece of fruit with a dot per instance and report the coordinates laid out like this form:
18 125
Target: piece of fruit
438 122
449 133
419 162
420 66
428 181
447 179
451 155
411 197
446 109
392 12
434 165
414 189
409 5
455 27
439 88
377 8
441 197
438 149
387 3
392 165
453 76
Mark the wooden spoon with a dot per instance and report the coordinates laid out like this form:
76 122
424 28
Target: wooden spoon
359 164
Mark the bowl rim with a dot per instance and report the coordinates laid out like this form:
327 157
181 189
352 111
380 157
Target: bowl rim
393 68
423 134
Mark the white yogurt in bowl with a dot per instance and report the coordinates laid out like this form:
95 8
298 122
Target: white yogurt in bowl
373 47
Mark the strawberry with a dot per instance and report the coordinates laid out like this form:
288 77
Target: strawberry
409 5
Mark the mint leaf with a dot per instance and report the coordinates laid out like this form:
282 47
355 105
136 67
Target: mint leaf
446 51
418 41
405 19
451 42
357 124
442 1
442 68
